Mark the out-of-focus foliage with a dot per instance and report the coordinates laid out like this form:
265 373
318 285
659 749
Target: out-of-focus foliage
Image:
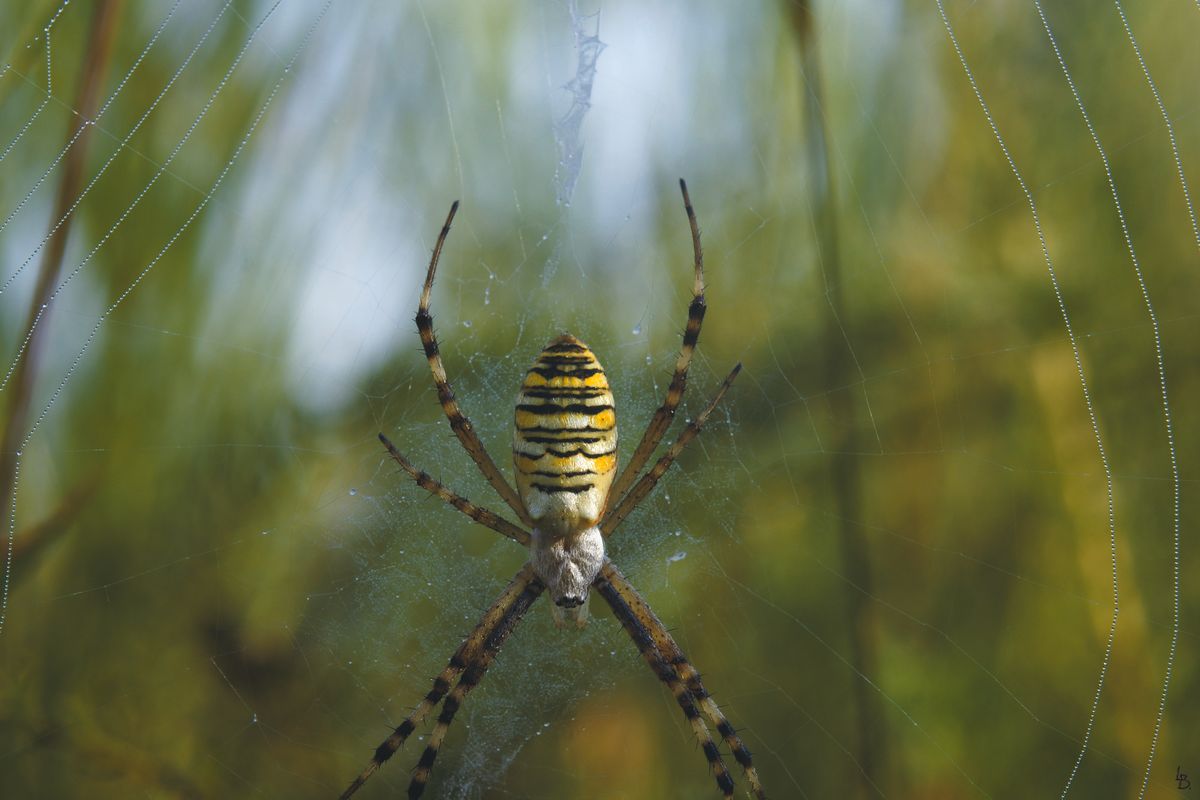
890 553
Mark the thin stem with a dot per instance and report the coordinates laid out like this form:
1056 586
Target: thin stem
91 82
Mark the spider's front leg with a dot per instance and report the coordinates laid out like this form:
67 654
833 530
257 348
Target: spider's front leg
459 423
691 335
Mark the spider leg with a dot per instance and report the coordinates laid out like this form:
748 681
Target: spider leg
687 701
671 651
691 334
642 488
481 515
498 615
470 679
458 421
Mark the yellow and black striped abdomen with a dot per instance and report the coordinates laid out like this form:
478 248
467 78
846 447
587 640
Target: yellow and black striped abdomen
565 444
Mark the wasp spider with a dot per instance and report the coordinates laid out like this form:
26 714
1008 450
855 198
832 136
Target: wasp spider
570 498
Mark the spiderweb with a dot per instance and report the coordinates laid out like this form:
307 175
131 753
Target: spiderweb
933 544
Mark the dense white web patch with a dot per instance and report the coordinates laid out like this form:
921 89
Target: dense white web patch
304 236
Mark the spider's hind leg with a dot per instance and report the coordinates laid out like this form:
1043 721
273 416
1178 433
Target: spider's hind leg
672 652
470 679
502 615
637 630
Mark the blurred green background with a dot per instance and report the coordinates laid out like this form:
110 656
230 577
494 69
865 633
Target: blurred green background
891 554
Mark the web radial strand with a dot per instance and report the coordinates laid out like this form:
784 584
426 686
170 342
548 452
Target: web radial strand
1112 630
1075 351
46 31
197 210
118 151
136 201
1162 109
1166 405
84 124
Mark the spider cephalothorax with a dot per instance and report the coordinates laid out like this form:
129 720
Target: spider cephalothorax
571 497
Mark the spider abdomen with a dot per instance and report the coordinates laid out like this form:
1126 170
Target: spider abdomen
565 443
